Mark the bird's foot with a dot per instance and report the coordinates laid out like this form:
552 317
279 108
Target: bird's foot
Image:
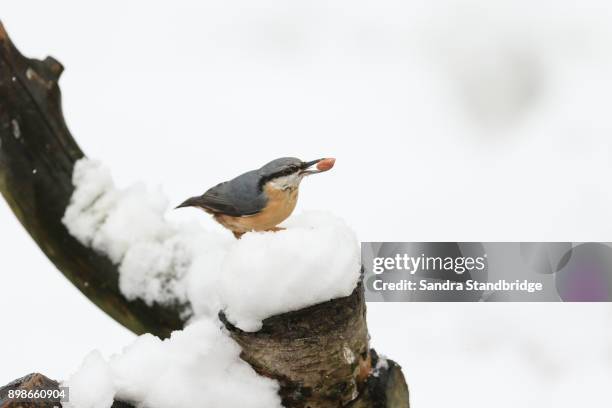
239 234
276 229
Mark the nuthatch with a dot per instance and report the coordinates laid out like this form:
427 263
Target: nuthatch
260 199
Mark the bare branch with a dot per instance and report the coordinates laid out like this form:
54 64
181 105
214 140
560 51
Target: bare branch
37 155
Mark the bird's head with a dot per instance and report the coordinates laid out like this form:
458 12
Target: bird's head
288 172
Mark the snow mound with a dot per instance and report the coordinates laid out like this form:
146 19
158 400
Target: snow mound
315 259
197 366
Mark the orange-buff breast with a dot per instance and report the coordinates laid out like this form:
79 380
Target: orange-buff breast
281 204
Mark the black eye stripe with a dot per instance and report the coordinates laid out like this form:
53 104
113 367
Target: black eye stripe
285 172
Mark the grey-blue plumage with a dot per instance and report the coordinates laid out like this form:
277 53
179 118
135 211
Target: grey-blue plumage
244 195
258 200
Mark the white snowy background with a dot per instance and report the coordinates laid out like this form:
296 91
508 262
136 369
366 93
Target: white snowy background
451 120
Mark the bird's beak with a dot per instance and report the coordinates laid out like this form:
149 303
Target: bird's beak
317 166
190 202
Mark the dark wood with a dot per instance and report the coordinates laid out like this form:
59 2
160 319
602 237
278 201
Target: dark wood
37 155
30 382
386 389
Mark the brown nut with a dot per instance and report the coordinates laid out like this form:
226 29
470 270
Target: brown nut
326 164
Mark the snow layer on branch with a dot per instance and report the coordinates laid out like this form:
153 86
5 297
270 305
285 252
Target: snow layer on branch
315 259
197 366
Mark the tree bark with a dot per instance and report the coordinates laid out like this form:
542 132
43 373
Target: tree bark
37 155
320 355
36 381
31 382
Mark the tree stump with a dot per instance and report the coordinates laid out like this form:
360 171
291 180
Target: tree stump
320 355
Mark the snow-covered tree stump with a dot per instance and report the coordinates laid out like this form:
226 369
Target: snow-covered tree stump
319 355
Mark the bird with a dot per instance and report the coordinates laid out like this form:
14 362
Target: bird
258 200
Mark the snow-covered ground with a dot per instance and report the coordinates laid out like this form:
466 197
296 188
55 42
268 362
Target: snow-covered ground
452 120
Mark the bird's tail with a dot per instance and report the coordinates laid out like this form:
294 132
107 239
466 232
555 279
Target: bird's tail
190 202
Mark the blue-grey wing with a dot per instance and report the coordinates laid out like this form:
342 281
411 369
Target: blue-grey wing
238 197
